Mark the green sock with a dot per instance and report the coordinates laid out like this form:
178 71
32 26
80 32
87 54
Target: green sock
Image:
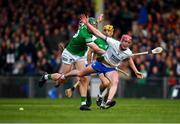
83 100
49 77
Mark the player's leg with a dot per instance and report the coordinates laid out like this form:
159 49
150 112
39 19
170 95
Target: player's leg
105 83
83 86
65 68
54 76
83 72
67 61
88 98
103 88
89 101
80 73
114 79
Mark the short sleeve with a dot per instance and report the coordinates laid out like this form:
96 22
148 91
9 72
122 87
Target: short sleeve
129 52
112 41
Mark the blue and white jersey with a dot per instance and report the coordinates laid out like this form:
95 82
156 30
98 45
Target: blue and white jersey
114 56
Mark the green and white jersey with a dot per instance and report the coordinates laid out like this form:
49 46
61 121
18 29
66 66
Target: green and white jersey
78 45
101 44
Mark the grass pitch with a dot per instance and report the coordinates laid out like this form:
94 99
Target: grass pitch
67 111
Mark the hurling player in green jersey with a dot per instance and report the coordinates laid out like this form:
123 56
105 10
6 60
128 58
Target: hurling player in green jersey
108 30
74 54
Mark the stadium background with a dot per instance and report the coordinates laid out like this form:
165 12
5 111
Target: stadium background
30 31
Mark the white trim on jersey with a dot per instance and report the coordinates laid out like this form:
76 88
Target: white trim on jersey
94 38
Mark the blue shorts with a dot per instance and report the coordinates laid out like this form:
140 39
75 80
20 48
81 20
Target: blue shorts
93 68
101 68
86 65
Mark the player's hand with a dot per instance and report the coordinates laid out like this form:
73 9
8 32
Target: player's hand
139 75
100 18
83 18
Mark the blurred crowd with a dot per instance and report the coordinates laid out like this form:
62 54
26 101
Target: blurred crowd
152 23
31 30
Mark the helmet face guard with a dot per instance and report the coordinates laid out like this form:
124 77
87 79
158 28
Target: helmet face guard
93 21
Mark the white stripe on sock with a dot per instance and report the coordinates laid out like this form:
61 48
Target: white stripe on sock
46 76
83 103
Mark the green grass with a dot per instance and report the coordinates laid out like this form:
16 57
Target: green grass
67 110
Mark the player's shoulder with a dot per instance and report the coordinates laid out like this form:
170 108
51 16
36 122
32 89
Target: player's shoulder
83 30
83 27
112 40
128 51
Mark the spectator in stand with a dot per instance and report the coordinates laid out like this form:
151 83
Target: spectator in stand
177 69
172 81
154 82
34 25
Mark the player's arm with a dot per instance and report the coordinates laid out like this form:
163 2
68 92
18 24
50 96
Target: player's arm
95 48
132 65
89 42
84 19
90 55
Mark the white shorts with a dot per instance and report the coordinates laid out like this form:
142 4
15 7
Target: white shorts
69 58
